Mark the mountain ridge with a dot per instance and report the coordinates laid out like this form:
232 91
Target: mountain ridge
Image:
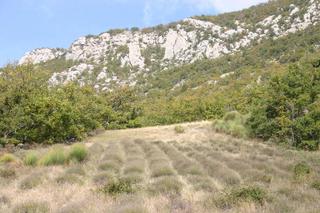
120 57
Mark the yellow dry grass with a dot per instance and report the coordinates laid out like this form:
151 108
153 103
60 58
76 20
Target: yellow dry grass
170 172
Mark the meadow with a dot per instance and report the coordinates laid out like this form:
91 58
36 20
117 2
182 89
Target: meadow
185 168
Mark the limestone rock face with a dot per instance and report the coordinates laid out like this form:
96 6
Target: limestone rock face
41 55
138 53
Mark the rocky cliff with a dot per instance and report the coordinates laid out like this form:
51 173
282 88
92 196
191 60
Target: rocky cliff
120 57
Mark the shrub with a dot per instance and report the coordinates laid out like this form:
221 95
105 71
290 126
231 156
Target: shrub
55 156
68 179
30 182
133 177
287 108
7 158
78 152
244 194
179 129
117 186
31 207
310 145
233 123
166 185
7 173
301 170
110 165
31 159
316 185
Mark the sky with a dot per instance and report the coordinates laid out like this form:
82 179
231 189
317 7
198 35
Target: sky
30 24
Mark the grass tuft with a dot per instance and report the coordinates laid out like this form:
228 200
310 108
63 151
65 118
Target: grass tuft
166 185
55 156
7 173
179 129
233 123
316 185
7 158
68 179
117 186
301 170
31 159
245 194
78 153
30 182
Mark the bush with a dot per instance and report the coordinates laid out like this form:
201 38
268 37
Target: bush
287 109
55 156
7 173
179 129
31 207
31 159
78 152
30 182
117 186
166 185
233 123
56 114
68 179
7 158
310 145
244 194
301 170
316 185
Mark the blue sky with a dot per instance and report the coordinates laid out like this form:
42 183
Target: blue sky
29 24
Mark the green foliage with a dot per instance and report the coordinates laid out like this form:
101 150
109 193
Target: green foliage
316 185
233 123
33 112
301 170
7 158
78 153
245 194
55 156
179 129
117 186
288 109
31 159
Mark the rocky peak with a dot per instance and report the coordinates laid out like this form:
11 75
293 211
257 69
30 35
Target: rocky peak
141 52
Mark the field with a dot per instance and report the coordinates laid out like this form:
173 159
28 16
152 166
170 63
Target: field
187 168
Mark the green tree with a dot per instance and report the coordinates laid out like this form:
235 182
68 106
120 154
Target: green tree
288 110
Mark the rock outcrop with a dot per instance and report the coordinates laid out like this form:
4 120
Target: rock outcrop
141 52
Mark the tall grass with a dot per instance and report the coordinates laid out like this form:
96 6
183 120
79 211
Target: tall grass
7 158
78 152
233 123
55 156
31 159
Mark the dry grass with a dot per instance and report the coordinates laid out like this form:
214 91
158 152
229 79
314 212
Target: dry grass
197 171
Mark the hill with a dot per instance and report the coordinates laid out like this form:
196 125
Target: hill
128 57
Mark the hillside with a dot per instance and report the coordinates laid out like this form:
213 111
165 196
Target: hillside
200 68
207 114
194 171
128 57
